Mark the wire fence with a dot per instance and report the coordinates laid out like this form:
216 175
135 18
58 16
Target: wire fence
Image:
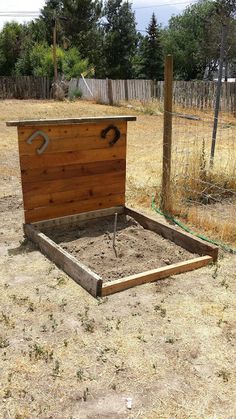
202 195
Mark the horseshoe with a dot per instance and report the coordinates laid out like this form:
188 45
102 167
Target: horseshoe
116 136
45 144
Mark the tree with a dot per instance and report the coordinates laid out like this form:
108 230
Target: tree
120 39
194 38
69 63
78 25
193 41
153 52
11 38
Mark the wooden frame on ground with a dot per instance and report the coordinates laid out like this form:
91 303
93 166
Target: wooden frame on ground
92 282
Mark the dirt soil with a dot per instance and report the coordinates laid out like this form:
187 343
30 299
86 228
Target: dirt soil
170 346
136 250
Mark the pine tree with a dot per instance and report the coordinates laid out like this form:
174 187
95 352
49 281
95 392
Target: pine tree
152 52
120 39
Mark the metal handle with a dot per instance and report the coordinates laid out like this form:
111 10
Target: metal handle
45 144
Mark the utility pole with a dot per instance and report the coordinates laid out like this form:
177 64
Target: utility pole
55 48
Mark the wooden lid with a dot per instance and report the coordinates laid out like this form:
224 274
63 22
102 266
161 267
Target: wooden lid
69 121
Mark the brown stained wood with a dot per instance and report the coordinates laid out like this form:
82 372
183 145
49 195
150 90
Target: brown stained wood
181 238
69 121
72 157
166 204
75 191
62 185
76 207
77 218
69 138
73 170
79 272
154 275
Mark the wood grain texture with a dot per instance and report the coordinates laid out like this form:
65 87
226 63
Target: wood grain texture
191 243
74 189
154 275
78 271
71 171
69 138
69 121
72 157
76 207
78 171
70 220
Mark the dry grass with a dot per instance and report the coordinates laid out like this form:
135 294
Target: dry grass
169 346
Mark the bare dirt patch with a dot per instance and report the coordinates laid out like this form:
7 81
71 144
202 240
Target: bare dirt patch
137 249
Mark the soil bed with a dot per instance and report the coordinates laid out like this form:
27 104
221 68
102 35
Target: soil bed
137 249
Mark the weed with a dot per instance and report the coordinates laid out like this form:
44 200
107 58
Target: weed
118 322
43 328
7 393
102 300
4 343
38 352
61 280
224 284
89 325
161 310
120 368
63 304
170 340
6 319
31 307
80 374
224 375
56 369
141 338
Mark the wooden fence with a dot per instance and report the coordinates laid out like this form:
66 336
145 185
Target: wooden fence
195 94
24 87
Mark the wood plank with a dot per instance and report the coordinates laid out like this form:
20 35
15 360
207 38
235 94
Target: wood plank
63 185
69 138
88 279
77 218
72 193
69 121
154 275
76 207
68 171
181 238
72 157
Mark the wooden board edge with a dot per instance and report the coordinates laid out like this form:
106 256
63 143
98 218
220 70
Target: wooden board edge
154 275
189 242
76 218
84 276
67 121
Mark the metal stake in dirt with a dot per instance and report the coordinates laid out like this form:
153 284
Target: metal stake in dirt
114 233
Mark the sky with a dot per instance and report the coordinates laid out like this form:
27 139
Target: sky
143 10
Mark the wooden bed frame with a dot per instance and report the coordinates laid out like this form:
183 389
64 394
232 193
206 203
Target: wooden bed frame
93 283
74 170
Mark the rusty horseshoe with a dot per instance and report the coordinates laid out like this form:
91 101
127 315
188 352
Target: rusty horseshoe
45 137
116 136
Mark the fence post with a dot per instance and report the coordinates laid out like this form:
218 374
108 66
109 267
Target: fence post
167 136
126 90
109 92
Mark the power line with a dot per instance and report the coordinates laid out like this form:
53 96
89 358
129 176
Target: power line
163 4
